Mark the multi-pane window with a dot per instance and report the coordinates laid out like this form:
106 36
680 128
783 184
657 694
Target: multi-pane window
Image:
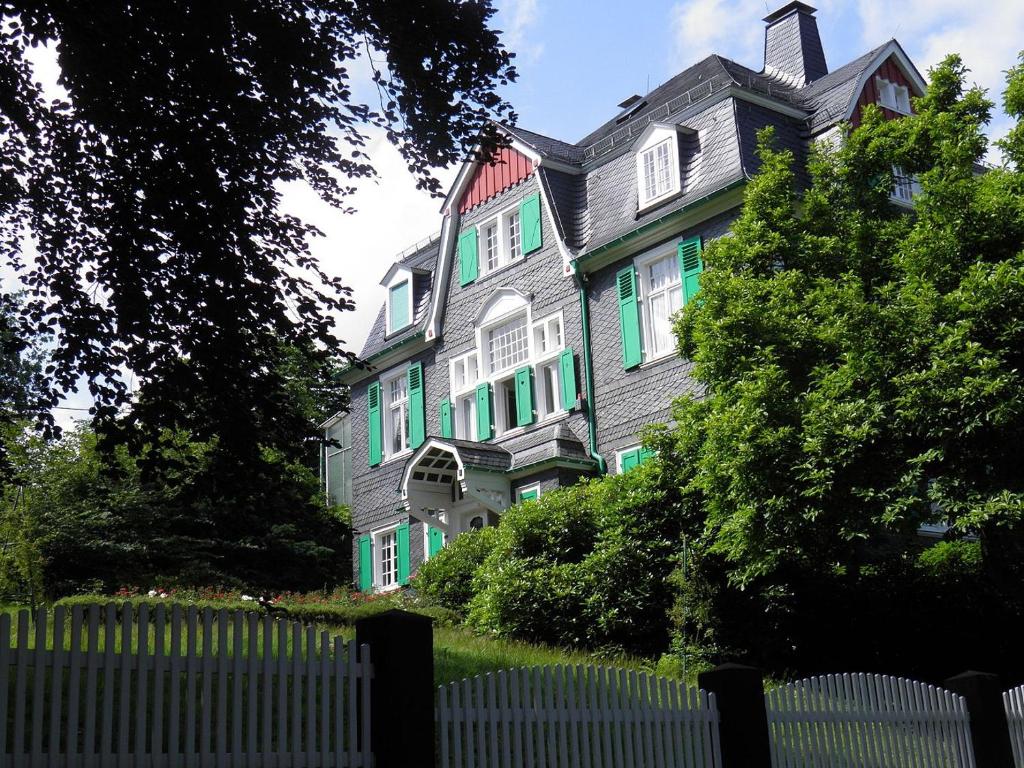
906 185
491 245
893 96
465 373
501 240
657 168
515 238
508 345
388 559
547 335
338 462
396 421
548 389
662 296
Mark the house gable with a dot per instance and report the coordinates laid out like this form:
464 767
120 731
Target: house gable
489 179
894 70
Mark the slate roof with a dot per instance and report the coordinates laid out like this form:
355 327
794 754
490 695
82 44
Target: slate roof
422 258
481 455
829 97
554 442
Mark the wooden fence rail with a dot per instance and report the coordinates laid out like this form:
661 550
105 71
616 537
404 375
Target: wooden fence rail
576 716
173 687
855 721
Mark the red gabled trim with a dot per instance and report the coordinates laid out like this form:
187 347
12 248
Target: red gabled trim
509 167
890 71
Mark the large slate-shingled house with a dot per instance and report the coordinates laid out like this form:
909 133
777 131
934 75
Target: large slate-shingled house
525 345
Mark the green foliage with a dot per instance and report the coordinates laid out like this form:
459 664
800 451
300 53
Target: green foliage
583 566
447 578
862 364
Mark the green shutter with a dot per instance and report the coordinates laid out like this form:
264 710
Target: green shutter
630 459
690 266
524 396
647 453
530 495
365 564
567 377
446 418
417 407
402 543
629 317
435 541
483 412
467 256
376 446
398 306
529 220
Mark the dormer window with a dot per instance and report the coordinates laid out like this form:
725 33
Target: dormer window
893 96
657 164
399 282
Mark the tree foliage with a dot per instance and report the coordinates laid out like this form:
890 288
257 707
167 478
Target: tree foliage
863 367
151 188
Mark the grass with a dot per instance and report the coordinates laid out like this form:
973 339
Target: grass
458 652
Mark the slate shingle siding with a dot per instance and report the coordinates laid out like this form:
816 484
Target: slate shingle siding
627 400
751 118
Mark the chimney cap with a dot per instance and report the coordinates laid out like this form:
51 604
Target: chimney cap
788 8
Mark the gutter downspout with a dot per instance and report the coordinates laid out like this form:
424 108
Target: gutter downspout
588 373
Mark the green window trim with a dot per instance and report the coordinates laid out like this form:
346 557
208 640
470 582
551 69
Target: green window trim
483 412
691 264
530 223
629 317
376 445
567 378
417 407
435 541
365 563
402 545
398 306
447 427
524 396
469 266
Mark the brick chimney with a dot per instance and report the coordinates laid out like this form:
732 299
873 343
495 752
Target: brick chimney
792 47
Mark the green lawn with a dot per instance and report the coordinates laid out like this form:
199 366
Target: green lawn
458 652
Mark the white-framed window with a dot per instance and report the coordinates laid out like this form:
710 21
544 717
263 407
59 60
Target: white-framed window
464 374
657 164
500 240
893 96
385 561
508 344
548 342
398 313
338 461
906 186
547 335
506 411
395 392
661 296
627 458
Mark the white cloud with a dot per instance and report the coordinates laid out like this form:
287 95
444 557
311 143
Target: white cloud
518 19
726 27
391 215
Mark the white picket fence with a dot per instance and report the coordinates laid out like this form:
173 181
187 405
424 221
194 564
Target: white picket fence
859 720
579 716
1013 701
175 687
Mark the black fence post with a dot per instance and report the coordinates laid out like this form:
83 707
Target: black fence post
739 691
990 734
402 691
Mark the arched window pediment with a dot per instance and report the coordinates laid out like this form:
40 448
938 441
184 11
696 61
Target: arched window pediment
501 303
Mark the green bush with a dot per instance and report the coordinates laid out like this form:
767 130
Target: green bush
584 566
447 578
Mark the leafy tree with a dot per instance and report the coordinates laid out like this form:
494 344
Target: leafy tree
862 364
152 190
21 385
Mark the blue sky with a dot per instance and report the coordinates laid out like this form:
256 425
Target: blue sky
578 59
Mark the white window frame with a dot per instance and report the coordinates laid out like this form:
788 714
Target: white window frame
459 394
400 276
546 361
527 489
507 253
483 343
640 264
377 552
386 426
905 189
661 135
622 452
893 96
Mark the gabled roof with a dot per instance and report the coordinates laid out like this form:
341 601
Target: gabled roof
545 146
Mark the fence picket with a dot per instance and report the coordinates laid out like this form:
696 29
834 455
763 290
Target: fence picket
267 697
338 726
252 668
506 719
174 687
311 682
159 667
141 705
5 670
56 683
528 718
38 678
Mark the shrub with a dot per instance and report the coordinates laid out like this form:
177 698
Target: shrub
447 578
584 566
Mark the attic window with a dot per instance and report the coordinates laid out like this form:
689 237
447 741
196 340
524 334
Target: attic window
893 96
399 311
657 167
